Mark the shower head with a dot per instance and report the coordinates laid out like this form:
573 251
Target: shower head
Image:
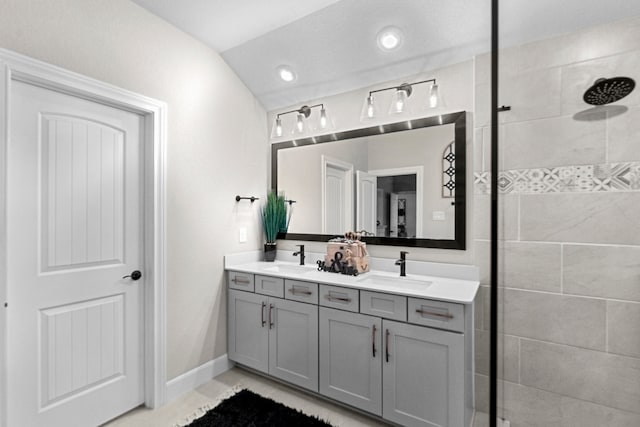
606 91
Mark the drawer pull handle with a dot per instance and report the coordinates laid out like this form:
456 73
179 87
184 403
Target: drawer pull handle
270 319
264 322
240 281
432 313
373 340
341 299
386 346
295 291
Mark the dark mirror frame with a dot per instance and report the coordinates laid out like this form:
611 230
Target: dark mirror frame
460 136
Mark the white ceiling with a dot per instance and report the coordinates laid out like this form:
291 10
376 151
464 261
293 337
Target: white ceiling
331 44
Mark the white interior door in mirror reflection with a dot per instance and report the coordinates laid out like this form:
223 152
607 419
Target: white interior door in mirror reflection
302 175
366 207
337 196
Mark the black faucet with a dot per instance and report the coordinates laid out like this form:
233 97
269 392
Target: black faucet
402 262
301 253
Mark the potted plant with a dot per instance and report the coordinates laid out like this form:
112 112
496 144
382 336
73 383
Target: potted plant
274 221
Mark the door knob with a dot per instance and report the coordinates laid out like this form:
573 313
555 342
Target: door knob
135 275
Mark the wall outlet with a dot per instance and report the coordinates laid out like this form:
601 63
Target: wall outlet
242 234
438 216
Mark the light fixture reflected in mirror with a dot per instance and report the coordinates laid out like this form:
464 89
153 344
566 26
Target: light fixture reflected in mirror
301 126
400 99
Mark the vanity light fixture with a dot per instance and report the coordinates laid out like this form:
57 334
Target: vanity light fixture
301 125
400 98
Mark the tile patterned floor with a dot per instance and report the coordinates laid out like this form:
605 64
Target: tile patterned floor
178 410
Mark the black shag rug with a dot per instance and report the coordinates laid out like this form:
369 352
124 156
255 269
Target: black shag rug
248 409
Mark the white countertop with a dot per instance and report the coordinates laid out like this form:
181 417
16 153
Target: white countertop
414 285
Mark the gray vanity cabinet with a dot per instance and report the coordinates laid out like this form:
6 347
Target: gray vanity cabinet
293 343
423 375
405 359
248 338
274 336
351 359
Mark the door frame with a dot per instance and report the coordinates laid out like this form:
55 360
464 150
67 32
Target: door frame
418 171
16 67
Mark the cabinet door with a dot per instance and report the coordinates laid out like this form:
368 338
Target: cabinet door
248 333
350 359
423 376
293 342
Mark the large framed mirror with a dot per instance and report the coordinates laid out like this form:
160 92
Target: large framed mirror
399 184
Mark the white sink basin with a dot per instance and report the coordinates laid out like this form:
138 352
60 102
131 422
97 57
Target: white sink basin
401 282
289 268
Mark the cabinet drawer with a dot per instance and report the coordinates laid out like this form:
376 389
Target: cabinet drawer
272 286
338 297
439 314
384 305
301 291
241 281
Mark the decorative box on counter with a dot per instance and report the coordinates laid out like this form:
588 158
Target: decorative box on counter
346 256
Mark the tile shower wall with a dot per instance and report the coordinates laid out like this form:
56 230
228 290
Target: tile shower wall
570 233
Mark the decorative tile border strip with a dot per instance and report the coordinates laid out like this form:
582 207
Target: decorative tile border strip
564 179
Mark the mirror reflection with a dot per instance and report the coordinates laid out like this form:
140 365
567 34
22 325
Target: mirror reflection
402 182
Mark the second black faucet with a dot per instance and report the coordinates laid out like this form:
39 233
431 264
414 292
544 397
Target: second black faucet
402 262
301 253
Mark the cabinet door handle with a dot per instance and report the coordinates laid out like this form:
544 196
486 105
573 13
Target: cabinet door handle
270 320
432 313
295 291
240 281
373 340
386 346
341 299
264 322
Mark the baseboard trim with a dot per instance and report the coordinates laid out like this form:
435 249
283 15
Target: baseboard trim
196 377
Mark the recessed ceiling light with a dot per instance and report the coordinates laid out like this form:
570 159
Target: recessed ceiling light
390 38
286 73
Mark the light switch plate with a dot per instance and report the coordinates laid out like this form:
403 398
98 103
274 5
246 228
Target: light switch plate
438 216
242 234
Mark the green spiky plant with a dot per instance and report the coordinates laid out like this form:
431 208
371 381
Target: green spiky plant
274 216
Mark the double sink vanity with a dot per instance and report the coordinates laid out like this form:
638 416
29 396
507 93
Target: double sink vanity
399 348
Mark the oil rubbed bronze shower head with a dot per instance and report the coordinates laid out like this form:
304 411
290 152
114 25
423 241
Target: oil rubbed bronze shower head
606 91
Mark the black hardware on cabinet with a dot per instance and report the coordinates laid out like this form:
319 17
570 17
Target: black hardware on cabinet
252 198
504 108
295 291
240 281
341 299
135 275
264 305
290 202
386 346
373 340
270 320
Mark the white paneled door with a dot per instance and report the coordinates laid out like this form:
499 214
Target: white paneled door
75 329
366 215
337 197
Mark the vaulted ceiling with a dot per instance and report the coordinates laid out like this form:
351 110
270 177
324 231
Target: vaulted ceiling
331 44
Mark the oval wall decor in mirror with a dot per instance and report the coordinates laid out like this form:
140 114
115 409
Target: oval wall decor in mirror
399 184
